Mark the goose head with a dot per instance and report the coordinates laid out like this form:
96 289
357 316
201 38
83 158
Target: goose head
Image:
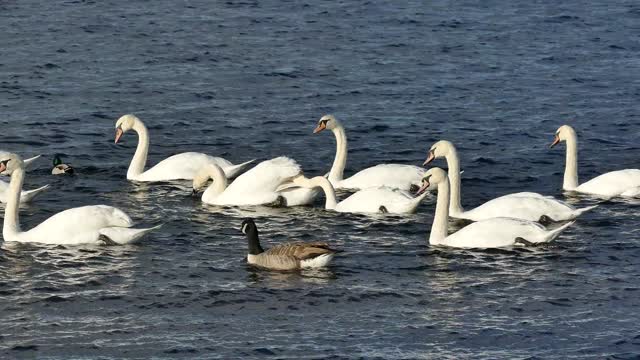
563 133
248 225
431 179
124 124
250 229
326 122
440 149
9 162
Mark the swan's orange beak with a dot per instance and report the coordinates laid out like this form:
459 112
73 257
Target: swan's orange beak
555 142
424 187
3 167
321 126
119 133
429 158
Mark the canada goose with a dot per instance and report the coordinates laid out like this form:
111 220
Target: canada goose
287 256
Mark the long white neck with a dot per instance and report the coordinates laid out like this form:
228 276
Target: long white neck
453 163
219 184
11 226
329 192
439 229
571 165
337 169
140 157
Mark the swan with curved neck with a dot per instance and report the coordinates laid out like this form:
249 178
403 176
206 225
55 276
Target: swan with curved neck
522 205
177 167
255 187
370 200
616 183
25 196
98 224
490 233
404 177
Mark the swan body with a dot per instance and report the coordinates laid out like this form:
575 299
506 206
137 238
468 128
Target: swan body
27 195
403 177
83 225
370 200
182 166
523 205
288 256
615 183
489 233
257 186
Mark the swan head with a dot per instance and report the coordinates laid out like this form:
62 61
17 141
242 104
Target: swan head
440 149
248 225
124 124
9 162
326 122
200 181
563 133
431 179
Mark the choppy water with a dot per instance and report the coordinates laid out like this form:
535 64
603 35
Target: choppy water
246 79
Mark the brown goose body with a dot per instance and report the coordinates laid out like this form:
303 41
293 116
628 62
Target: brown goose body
288 256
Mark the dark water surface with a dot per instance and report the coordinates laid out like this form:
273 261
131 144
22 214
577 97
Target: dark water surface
249 79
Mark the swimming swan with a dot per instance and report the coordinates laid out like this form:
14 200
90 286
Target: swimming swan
255 187
523 205
615 183
98 224
404 177
176 167
490 233
370 200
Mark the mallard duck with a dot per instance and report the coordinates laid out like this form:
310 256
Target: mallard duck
59 168
288 256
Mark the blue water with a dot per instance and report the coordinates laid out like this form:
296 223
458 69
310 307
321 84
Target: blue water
249 79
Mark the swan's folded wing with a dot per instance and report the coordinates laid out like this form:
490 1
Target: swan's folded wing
391 175
83 219
265 177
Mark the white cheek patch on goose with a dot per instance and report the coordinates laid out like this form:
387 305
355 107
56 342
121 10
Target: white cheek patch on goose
244 228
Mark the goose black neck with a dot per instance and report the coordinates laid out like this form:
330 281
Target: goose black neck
254 242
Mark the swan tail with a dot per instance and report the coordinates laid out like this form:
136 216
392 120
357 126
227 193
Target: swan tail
28 162
551 235
583 210
124 236
29 195
235 170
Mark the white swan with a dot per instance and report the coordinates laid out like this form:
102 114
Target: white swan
490 233
177 167
523 205
615 183
370 200
404 177
255 187
87 224
26 196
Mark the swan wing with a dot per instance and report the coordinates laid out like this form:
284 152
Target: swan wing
522 207
371 200
495 233
182 166
392 175
258 185
612 183
77 225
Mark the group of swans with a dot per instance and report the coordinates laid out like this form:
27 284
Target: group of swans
386 188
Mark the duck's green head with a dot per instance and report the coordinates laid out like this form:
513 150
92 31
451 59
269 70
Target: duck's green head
57 160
